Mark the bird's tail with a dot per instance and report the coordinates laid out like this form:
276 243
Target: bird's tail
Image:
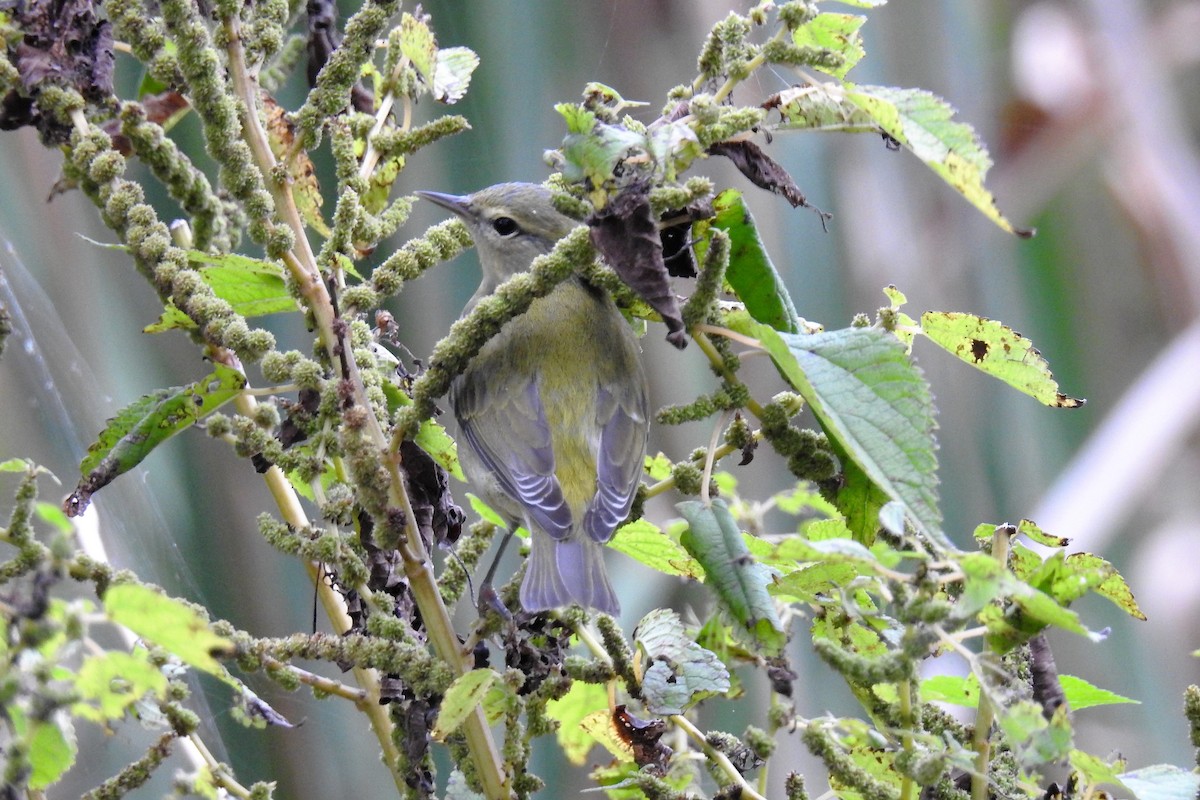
565 572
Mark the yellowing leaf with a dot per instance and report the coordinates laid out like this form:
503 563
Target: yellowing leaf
168 623
110 683
582 701
998 350
924 124
599 726
460 700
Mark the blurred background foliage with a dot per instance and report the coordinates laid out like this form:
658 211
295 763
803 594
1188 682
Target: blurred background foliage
1091 110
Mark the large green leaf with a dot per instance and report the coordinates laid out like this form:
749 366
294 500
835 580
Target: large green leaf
714 539
570 710
874 405
145 424
751 274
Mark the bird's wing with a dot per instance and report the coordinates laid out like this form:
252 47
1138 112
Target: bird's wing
621 417
505 423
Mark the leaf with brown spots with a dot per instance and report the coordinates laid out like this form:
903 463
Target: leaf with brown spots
281 134
998 350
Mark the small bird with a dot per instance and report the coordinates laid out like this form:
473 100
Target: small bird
554 408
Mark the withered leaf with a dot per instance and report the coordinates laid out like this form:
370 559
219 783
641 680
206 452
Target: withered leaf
438 517
627 237
64 44
764 172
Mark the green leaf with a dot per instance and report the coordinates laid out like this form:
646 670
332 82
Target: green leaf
592 150
16 465
876 408
1113 588
681 672
253 287
460 700
1034 739
905 327
987 580
740 582
751 274
924 124
109 684
1096 770
673 146
829 551
953 689
1161 782
379 189
170 624
452 71
146 423
998 350
837 33
51 753
570 710
53 515
658 467
170 319
805 584
431 436
1029 528
418 45
441 447
805 497
1080 694
645 542
578 118
860 499
1067 579
486 512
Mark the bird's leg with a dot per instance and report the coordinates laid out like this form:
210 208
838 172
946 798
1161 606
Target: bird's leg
487 598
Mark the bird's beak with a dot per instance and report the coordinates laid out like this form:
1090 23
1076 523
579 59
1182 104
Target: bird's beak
459 204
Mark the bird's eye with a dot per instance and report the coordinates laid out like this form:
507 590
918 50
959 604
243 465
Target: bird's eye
505 226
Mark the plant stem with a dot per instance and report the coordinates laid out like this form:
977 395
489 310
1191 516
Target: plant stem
714 755
301 263
906 738
986 714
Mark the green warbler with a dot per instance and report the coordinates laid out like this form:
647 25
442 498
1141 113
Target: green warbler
553 408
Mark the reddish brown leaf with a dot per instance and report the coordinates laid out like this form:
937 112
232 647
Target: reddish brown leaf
764 171
627 237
